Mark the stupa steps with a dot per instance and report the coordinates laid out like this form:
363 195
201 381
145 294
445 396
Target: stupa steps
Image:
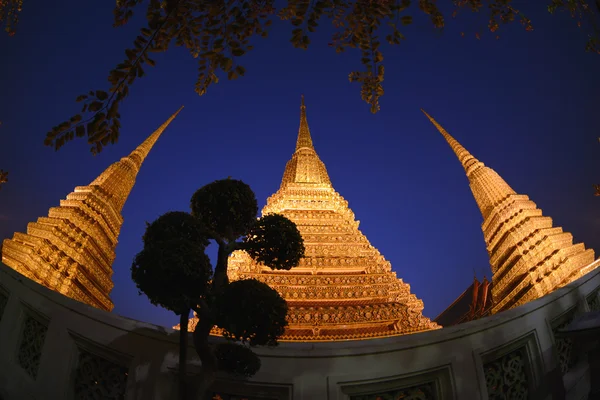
516 219
523 289
47 265
334 302
324 280
87 219
547 256
82 249
321 270
322 220
360 266
97 201
100 199
328 293
321 277
519 228
95 189
503 207
507 218
313 238
586 268
579 264
77 291
559 269
95 296
97 211
32 265
509 249
345 229
72 230
309 332
535 285
557 241
24 261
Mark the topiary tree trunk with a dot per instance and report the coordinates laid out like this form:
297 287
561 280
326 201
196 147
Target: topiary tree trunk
183 344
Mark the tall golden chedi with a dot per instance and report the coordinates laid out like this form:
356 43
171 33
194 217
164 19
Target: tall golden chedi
72 250
343 287
529 257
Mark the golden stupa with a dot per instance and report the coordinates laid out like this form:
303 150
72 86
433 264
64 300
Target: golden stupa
72 250
343 288
529 257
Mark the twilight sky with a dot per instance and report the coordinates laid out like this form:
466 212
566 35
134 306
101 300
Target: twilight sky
527 105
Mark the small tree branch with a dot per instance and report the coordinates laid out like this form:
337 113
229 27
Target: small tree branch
233 246
220 278
213 235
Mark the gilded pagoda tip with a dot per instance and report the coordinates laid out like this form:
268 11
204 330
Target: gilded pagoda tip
178 110
302 101
426 114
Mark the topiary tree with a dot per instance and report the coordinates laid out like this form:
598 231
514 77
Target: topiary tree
172 270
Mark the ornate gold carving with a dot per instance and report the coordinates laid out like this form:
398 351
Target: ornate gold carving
529 257
343 288
72 250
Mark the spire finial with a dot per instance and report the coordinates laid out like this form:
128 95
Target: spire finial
130 166
304 139
141 152
469 163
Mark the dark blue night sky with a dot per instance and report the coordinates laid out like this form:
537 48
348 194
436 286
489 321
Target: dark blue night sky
527 105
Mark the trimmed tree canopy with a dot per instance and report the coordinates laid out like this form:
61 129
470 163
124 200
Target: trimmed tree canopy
175 225
237 359
275 241
251 312
173 274
226 207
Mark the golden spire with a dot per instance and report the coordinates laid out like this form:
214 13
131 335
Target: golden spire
487 186
125 170
305 165
469 163
528 256
72 250
343 288
304 139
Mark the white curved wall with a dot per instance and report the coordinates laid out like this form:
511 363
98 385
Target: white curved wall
52 346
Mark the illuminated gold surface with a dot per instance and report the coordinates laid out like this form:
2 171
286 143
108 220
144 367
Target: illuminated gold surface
528 256
343 288
72 250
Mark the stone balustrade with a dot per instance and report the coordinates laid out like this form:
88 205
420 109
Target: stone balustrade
52 347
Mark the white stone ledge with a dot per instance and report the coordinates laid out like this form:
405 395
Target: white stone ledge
453 357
